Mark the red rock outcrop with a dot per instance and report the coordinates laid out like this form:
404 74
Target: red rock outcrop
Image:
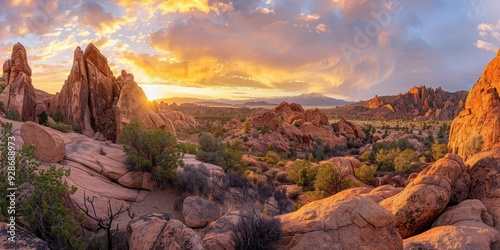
349 129
419 103
425 197
87 96
19 93
481 114
342 221
286 126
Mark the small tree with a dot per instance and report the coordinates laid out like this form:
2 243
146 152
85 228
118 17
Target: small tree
402 162
58 116
385 158
301 173
194 180
366 173
213 150
439 150
151 150
330 179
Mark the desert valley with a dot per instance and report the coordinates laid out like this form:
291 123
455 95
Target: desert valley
273 151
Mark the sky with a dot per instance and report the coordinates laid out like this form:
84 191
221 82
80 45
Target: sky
238 49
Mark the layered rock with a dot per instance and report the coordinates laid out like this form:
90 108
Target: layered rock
49 147
419 103
87 96
425 197
481 114
341 221
19 94
465 226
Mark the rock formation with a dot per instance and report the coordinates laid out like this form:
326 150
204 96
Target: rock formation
19 94
285 127
341 221
481 114
94 101
425 197
198 212
49 147
419 103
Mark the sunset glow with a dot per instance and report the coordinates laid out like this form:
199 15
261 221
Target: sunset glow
242 49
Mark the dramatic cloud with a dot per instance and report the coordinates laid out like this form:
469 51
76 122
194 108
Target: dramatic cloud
242 48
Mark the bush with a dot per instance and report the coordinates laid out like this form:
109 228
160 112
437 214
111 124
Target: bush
257 232
47 214
272 158
43 119
330 180
385 158
366 156
366 173
402 144
151 150
187 147
404 159
234 180
213 150
60 126
194 180
12 115
439 150
58 116
301 173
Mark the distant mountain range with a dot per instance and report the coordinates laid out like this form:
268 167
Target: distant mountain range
312 99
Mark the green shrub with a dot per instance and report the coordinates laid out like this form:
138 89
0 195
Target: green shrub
151 150
58 116
330 180
12 115
43 119
77 128
366 173
366 156
301 173
402 144
403 160
1 106
187 147
1 88
385 158
272 157
213 150
65 128
439 150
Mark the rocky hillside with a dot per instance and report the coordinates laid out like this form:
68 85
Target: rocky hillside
289 127
420 103
480 119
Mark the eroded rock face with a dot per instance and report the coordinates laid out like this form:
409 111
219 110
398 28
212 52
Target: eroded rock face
198 212
425 197
285 127
464 226
481 114
341 221
24 239
19 93
49 147
350 130
87 96
158 231
220 233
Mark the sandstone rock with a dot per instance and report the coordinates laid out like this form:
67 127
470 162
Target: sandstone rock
86 98
220 233
40 108
342 221
198 212
349 129
426 196
19 93
158 231
24 239
484 170
481 114
49 147
465 226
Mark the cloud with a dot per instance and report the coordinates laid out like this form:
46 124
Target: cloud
94 15
491 33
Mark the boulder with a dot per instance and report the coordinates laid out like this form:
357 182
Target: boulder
49 146
425 197
481 114
464 226
341 221
484 170
349 129
220 233
198 212
159 231
19 94
24 239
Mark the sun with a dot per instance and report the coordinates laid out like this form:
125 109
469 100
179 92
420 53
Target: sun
153 92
